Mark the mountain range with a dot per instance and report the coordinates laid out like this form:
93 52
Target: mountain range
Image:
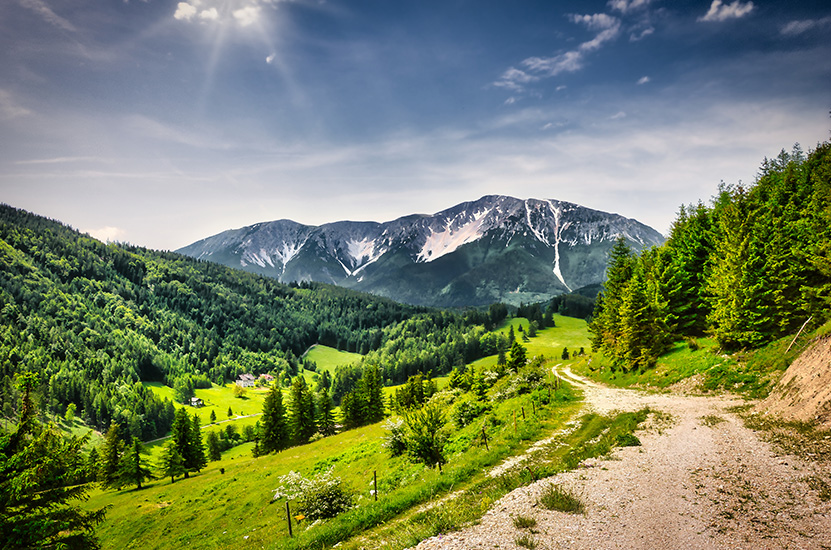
495 249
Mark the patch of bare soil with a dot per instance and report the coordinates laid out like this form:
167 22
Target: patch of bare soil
804 392
700 481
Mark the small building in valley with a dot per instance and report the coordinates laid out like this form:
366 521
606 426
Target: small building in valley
246 380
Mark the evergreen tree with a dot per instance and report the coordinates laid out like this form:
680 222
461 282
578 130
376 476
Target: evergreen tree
213 417
518 357
171 463
273 434
38 480
131 469
214 446
230 412
374 395
301 417
181 437
325 414
196 460
111 457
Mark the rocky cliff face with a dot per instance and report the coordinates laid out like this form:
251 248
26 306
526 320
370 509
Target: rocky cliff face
497 248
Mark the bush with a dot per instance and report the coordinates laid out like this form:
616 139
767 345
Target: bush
396 440
426 437
321 497
467 410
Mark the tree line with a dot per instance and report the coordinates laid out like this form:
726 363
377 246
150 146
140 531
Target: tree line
750 267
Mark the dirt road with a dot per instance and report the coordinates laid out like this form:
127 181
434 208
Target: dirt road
700 480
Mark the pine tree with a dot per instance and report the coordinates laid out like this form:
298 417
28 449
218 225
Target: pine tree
518 357
180 434
111 457
38 480
301 417
131 469
196 459
214 447
325 414
273 433
171 463
213 417
374 394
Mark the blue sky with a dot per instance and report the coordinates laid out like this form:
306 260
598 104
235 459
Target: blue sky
162 122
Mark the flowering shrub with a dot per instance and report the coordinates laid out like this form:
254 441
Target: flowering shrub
396 440
323 496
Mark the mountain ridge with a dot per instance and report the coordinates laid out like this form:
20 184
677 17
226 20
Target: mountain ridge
496 248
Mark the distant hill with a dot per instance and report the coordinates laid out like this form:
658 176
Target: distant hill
495 249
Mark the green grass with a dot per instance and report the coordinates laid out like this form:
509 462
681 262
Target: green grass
327 358
549 342
555 497
524 522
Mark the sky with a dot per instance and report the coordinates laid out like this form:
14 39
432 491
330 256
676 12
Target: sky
161 122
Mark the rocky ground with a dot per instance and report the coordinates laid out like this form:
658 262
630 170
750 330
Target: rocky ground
700 480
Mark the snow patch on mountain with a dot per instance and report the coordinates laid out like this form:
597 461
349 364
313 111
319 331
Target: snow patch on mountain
438 244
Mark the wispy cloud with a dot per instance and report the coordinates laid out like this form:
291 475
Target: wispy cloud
643 80
798 27
625 6
42 8
607 27
242 12
722 12
9 107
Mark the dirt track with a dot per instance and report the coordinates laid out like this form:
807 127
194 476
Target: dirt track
700 480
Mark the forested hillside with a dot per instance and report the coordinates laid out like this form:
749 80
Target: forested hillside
752 266
95 320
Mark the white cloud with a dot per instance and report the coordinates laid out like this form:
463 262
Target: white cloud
270 58
184 11
247 16
618 115
107 233
209 14
566 62
643 80
798 27
10 108
635 36
597 21
722 12
625 6
40 7
513 79
510 101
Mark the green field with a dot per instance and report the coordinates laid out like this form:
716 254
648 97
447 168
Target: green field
329 359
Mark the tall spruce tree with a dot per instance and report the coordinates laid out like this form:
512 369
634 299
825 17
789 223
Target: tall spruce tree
171 462
131 469
325 413
39 474
301 417
196 460
273 433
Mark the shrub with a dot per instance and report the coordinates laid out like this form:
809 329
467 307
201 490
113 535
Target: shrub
426 437
321 497
396 440
466 410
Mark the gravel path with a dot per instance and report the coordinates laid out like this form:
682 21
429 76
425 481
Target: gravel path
700 480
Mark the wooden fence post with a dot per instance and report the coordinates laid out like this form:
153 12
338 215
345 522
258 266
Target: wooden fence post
375 482
523 413
288 517
485 438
